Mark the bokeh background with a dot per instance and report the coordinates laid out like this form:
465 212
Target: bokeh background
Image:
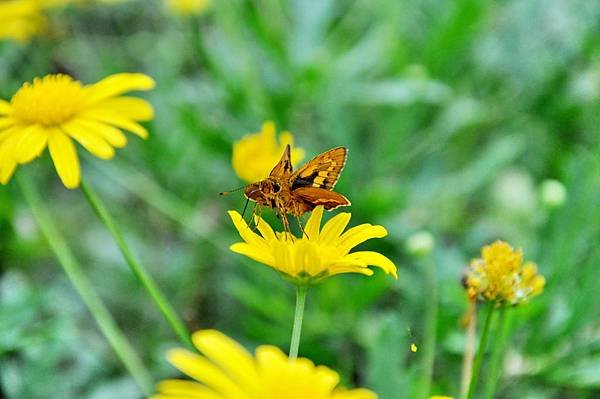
455 113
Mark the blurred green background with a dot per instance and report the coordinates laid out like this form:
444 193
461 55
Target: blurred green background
454 114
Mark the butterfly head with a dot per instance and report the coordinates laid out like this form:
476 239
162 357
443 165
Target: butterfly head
263 190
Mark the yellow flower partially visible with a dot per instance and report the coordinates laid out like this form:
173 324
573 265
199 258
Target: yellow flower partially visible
324 253
55 110
440 397
20 19
188 7
500 275
256 154
225 370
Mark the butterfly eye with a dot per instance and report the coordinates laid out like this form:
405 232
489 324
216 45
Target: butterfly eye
276 188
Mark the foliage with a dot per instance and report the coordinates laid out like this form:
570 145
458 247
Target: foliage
454 114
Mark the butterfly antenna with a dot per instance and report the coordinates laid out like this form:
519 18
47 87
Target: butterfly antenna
232 191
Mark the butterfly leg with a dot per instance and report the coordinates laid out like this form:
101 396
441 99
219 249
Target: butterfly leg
286 223
298 217
301 227
256 211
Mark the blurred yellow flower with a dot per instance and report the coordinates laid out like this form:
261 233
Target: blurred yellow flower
440 397
55 109
319 254
226 371
20 19
256 154
500 275
188 7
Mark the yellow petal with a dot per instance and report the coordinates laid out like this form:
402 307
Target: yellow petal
269 357
7 161
187 389
265 229
129 107
245 232
341 269
111 134
229 355
355 394
64 156
6 122
359 234
313 225
93 143
204 371
5 107
268 130
31 144
374 259
334 227
253 252
117 84
117 120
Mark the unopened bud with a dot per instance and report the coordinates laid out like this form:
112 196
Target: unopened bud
420 244
553 193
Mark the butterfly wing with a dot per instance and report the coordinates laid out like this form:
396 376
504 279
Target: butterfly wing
314 196
323 171
284 166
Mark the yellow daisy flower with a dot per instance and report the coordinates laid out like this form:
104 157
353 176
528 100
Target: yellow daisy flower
227 371
500 275
256 154
55 110
20 19
318 254
188 7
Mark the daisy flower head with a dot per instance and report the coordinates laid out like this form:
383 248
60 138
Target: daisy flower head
501 275
55 110
318 254
255 154
225 370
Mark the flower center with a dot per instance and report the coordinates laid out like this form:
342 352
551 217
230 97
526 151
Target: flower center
49 101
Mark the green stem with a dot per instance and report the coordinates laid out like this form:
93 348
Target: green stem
467 366
74 272
301 292
429 334
481 350
136 267
503 328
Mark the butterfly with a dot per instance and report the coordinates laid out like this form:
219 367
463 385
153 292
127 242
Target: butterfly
295 193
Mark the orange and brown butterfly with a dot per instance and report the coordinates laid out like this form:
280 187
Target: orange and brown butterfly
296 193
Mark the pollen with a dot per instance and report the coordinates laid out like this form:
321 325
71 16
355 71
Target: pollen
48 101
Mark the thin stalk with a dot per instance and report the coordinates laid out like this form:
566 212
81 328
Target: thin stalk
73 269
502 331
467 366
429 334
301 292
136 267
485 333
